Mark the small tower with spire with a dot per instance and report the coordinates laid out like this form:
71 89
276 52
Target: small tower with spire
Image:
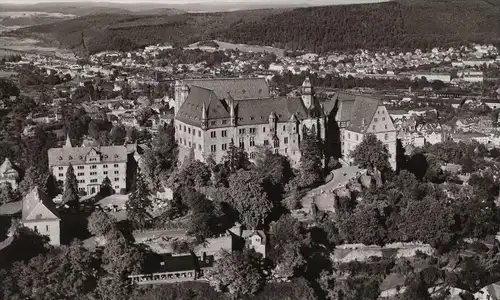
307 93
232 111
68 142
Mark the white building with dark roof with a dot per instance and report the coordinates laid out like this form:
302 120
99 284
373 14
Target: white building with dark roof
8 174
210 114
40 215
91 165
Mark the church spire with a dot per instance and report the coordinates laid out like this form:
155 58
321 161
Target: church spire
68 142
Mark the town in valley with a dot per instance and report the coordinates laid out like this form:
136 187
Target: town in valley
214 169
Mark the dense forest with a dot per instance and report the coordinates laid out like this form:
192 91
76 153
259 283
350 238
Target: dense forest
401 24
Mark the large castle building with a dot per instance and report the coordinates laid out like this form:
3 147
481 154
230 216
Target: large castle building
212 113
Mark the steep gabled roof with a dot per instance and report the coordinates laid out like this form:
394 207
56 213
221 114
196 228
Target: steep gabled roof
364 108
7 168
257 111
37 206
191 110
77 155
343 102
239 88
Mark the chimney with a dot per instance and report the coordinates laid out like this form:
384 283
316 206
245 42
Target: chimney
363 123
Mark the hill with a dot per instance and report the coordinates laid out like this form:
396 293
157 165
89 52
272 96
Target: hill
401 24
406 24
126 32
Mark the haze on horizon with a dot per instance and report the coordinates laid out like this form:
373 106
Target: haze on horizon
176 2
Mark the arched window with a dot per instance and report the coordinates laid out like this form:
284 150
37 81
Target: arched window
276 143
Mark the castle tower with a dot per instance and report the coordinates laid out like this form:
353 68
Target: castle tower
307 93
204 119
181 93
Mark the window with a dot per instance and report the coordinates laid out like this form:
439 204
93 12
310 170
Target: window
242 130
93 180
286 150
385 126
252 130
61 168
213 123
93 167
276 143
375 119
199 133
117 179
242 143
284 127
199 147
252 141
224 147
213 148
349 135
116 172
252 155
81 181
105 166
224 122
383 118
117 187
357 137
213 134
115 165
189 144
189 130
105 172
285 140
46 227
81 189
266 142
81 167
263 129
80 174
93 173
184 128
373 127
224 133
61 174
194 132
386 136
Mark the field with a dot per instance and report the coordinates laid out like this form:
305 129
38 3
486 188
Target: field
12 45
241 47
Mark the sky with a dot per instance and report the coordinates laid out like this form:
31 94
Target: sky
166 2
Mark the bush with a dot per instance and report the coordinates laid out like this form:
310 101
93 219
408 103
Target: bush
82 193
123 191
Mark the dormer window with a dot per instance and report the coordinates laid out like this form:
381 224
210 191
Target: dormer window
70 157
116 155
60 157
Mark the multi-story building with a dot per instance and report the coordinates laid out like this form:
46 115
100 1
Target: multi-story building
351 117
91 165
40 215
212 113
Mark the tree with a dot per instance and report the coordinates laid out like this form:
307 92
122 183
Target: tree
311 166
7 194
100 223
159 161
121 258
117 135
287 240
235 158
365 225
249 198
237 273
32 177
70 194
138 203
106 188
371 153
194 174
66 272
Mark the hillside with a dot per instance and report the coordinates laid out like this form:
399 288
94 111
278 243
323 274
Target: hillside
125 32
406 24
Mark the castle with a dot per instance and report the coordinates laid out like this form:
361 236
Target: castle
212 113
